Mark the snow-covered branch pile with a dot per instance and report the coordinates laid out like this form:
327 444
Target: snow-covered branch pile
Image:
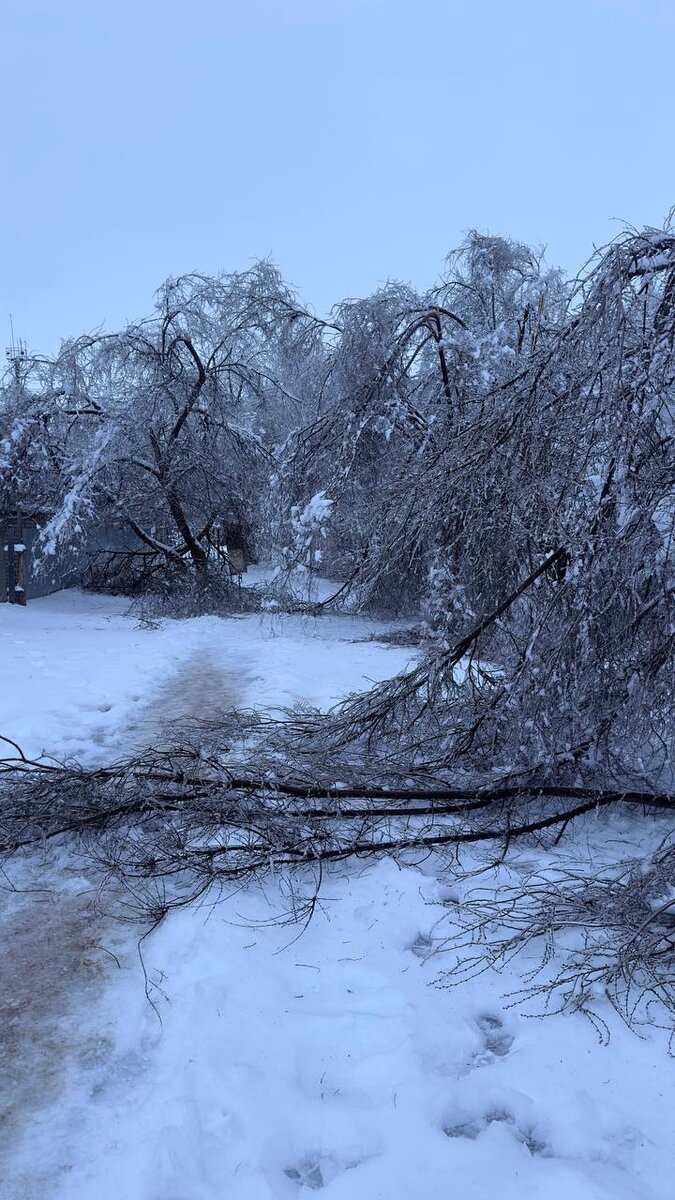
176 826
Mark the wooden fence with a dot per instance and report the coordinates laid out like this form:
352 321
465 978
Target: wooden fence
99 561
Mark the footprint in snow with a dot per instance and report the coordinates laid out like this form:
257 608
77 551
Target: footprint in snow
316 1171
527 1134
306 1173
496 1039
423 946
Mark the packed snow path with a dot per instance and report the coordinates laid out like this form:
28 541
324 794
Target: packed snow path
275 1061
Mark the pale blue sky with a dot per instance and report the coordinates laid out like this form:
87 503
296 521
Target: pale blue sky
351 141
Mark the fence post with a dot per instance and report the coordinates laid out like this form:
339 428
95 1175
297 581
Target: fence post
20 593
11 560
4 541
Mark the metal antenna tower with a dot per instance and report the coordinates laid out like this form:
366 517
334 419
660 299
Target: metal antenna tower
16 353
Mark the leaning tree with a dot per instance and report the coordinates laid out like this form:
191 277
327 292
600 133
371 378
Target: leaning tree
167 428
503 448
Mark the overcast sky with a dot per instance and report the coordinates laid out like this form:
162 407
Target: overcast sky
350 140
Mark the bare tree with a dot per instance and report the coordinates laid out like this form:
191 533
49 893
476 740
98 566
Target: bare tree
167 428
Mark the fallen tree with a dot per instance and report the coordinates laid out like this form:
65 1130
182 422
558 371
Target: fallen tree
179 825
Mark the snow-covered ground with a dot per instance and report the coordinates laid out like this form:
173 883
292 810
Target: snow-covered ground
81 679
272 1061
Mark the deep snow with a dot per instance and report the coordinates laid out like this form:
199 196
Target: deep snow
275 1062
